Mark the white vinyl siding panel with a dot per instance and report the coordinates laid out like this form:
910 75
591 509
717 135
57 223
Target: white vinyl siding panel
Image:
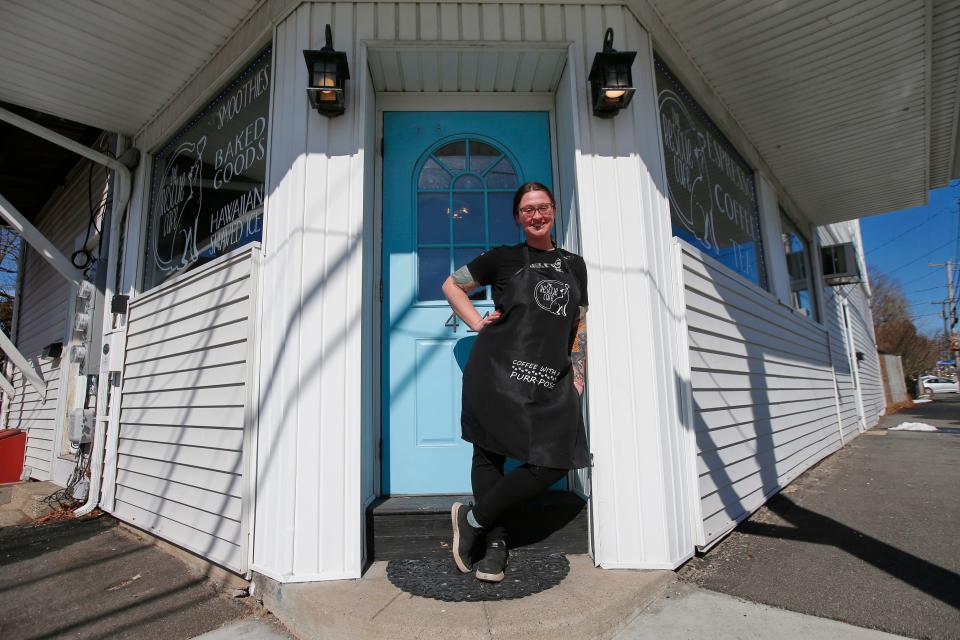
868 368
856 298
313 348
764 400
185 406
45 300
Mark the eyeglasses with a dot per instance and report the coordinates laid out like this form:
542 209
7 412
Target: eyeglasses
543 209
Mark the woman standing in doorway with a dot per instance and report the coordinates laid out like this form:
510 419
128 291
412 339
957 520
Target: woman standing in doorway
523 379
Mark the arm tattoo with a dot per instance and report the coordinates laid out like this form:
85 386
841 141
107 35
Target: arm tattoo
464 279
578 354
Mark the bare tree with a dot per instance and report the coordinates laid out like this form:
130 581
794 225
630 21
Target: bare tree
9 261
894 326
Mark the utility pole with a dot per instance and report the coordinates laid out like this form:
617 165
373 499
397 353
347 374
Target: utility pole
950 329
945 346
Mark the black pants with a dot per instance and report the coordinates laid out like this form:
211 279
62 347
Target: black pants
495 492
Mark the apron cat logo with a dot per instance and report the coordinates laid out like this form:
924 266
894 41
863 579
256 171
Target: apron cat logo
552 296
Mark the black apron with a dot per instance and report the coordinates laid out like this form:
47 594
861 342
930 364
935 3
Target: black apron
518 393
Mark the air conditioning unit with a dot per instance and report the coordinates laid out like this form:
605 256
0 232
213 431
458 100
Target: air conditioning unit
840 264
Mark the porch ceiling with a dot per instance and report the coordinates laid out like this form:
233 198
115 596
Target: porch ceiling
455 67
851 104
110 64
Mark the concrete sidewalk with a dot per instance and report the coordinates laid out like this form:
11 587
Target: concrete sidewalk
589 603
863 544
93 579
868 536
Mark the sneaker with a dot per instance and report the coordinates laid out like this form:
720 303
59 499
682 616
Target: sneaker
490 568
464 537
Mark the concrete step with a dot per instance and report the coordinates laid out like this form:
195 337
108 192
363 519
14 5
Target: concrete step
12 517
28 497
406 527
588 603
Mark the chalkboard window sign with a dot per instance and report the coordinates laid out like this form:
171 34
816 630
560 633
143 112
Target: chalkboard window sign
208 180
713 201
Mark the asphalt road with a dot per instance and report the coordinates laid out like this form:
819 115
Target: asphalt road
86 579
869 536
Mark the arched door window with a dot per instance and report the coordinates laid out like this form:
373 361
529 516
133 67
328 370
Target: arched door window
464 198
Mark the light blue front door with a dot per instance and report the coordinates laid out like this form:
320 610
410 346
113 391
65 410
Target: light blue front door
448 184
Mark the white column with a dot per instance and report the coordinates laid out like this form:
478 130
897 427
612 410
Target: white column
643 479
774 254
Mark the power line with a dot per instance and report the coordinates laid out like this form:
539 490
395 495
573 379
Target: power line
908 293
934 250
923 277
903 233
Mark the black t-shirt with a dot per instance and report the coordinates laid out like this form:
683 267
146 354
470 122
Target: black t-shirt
498 265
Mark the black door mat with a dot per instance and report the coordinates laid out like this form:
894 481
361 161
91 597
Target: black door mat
436 577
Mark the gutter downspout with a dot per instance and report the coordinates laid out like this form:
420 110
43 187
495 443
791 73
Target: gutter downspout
124 190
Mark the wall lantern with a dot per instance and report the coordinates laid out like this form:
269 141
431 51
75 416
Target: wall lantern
328 74
611 81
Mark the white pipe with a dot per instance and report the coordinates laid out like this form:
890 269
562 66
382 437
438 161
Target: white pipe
124 189
24 365
126 181
107 403
39 242
7 387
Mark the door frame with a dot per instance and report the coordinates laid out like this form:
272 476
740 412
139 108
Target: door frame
425 102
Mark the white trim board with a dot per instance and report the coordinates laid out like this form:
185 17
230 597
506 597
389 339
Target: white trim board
457 101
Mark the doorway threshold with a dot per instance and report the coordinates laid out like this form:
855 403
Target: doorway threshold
410 527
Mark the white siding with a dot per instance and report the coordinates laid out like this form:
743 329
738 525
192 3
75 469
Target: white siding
764 401
312 374
309 465
45 300
856 298
181 455
642 479
871 383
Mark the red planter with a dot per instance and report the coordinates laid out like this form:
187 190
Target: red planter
12 444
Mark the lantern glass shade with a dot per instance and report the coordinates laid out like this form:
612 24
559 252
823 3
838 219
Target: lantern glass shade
327 72
611 82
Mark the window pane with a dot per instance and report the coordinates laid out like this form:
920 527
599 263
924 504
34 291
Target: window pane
208 179
433 176
713 203
462 257
482 155
804 303
434 267
797 252
503 229
433 223
454 155
502 176
468 181
468 227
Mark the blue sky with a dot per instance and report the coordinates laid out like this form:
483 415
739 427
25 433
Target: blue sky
902 244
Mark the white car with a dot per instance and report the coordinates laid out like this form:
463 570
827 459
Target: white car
932 384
